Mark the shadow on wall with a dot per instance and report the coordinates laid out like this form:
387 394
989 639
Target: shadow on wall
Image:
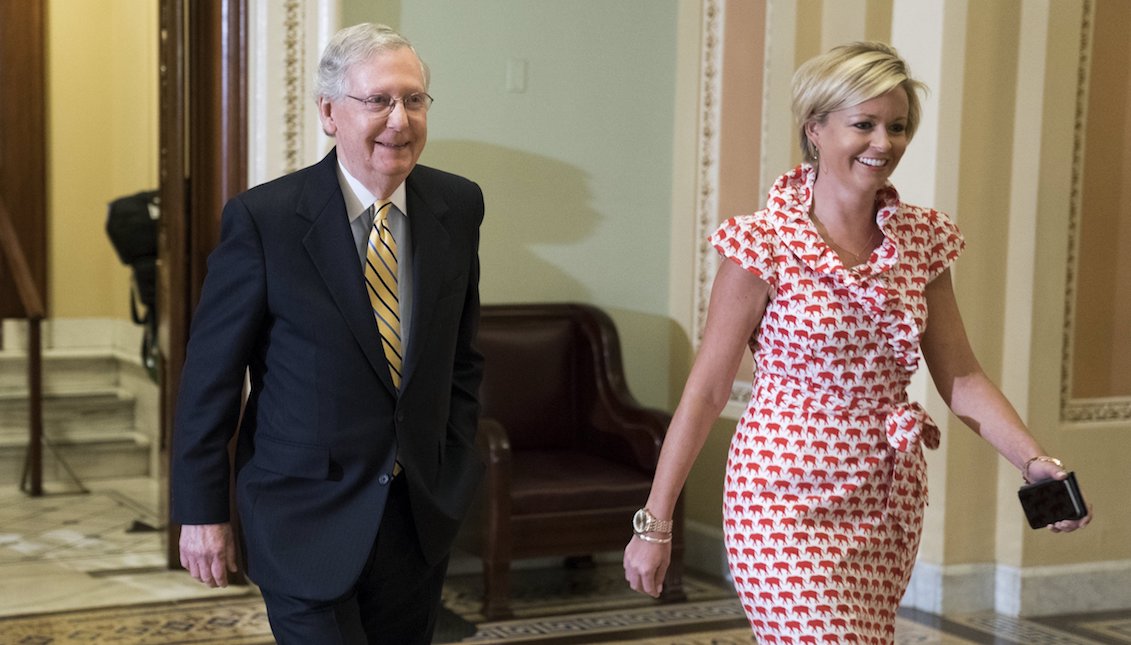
532 202
537 245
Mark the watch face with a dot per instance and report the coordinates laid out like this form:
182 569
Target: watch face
640 521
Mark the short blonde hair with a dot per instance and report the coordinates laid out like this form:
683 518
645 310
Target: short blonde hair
850 75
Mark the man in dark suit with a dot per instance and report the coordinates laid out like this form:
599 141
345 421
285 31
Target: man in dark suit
355 457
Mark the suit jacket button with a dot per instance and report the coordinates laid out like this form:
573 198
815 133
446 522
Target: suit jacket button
384 480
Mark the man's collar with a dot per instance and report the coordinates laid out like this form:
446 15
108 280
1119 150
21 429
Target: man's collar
358 198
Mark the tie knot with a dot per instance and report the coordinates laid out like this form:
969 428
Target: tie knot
381 209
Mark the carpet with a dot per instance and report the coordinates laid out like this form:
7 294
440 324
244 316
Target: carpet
589 605
549 605
552 607
231 621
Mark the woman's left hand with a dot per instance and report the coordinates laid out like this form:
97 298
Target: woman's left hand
1042 470
1066 526
646 564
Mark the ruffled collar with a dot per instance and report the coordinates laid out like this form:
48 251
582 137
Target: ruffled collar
868 284
790 200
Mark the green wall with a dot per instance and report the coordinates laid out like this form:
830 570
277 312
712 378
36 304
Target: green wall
574 156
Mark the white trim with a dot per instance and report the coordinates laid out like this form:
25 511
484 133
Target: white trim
1077 412
779 132
704 551
286 41
707 208
963 588
1065 589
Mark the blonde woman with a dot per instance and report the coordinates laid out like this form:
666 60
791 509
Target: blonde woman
831 286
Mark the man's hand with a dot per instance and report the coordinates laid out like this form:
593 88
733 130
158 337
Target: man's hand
208 551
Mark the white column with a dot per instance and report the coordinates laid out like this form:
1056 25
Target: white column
931 36
286 40
779 135
1041 193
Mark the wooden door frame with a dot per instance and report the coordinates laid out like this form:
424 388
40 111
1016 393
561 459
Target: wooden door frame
23 143
203 162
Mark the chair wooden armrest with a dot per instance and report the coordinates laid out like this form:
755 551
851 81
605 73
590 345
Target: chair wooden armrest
616 412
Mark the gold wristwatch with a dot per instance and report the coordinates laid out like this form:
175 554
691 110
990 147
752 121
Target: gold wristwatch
644 522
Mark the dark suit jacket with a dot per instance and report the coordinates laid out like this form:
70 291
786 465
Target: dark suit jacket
285 298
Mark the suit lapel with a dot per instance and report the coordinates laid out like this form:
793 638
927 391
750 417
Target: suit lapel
331 247
429 259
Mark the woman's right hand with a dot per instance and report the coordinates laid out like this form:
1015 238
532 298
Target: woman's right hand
646 564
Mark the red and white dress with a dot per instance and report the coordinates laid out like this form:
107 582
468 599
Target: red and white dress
826 481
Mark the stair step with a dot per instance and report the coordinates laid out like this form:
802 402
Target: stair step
71 411
89 456
61 369
89 415
82 438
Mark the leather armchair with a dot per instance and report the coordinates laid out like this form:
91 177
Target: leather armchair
570 453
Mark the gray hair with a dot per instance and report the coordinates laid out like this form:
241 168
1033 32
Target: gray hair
849 75
353 45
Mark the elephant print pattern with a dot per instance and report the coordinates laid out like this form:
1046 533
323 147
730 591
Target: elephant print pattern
826 480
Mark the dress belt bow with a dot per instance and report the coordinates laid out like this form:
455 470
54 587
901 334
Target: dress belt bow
908 427
908 424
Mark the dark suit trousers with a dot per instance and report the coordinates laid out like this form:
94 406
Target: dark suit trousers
395 601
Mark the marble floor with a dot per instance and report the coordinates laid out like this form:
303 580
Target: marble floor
66 551
97 560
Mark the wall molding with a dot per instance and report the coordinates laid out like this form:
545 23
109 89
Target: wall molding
707 204
707 214
1081 410
286 42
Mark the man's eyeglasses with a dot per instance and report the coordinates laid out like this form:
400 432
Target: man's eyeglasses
383 104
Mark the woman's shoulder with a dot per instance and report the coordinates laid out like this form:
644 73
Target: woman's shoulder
762 223
922 220
929 235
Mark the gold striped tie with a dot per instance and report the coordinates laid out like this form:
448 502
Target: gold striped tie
381 277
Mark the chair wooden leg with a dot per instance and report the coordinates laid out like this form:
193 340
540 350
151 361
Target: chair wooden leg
673 586
496 590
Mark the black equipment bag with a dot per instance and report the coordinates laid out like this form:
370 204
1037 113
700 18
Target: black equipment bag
132 228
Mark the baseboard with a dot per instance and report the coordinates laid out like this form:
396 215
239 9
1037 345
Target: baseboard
1065 589
967 588
955 589
704 551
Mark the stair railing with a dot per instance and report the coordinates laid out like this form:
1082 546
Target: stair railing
32 480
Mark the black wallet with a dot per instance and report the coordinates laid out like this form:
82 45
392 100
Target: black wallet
1052 500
